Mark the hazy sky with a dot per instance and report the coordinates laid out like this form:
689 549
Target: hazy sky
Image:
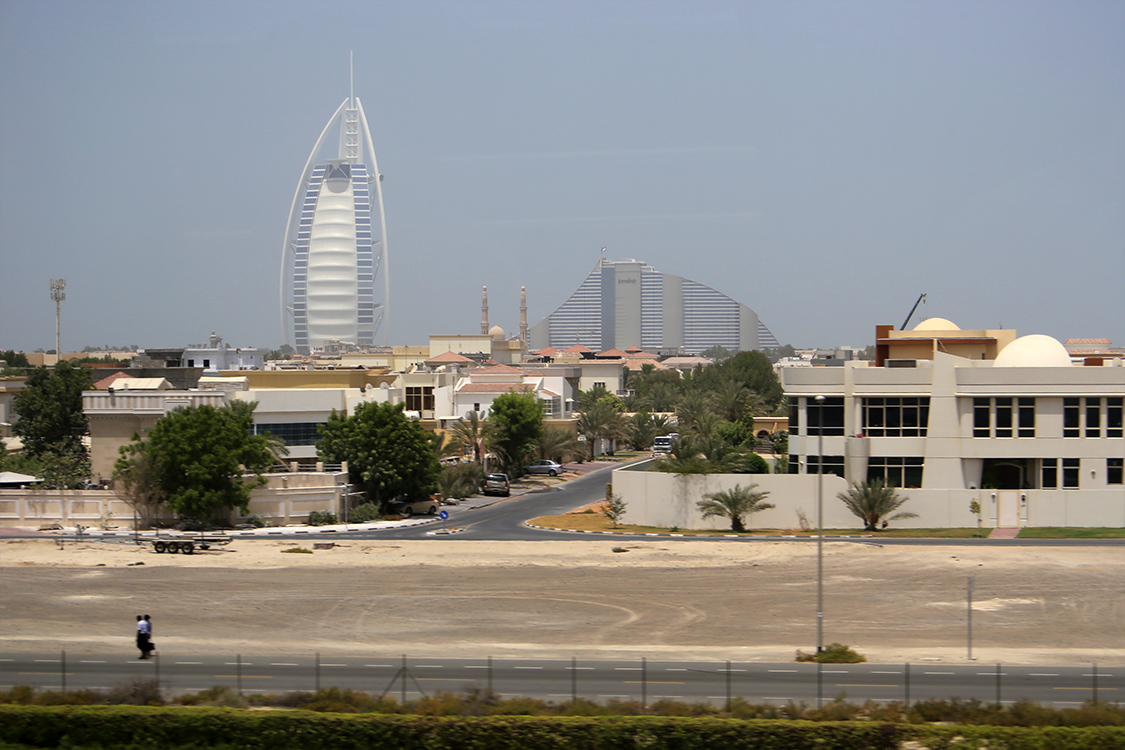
822 162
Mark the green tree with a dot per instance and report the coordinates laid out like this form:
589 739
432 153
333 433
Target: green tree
559 445
473 432
460 480
642 427
686 458
600 421
517 419
389 454
729 399
735 504
51 421
196 460
614 509
873 501
14 359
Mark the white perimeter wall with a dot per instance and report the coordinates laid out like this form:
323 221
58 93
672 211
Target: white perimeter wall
658 499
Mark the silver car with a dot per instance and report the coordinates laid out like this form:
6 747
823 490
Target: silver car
544 466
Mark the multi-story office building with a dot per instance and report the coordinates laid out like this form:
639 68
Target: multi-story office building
335 242
954 416
629 303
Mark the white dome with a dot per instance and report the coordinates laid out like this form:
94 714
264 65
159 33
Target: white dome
497 333
936 324
1035 350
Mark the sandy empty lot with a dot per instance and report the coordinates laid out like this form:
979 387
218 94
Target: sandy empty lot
659 598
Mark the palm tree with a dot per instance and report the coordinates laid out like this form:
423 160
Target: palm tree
472 431
734 504
643 427
685 458
600 421
730 398
692 404
872 501
559 445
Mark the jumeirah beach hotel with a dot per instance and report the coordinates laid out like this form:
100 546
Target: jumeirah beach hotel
629 303
336 241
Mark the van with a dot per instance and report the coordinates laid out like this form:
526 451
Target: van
664 443
497 484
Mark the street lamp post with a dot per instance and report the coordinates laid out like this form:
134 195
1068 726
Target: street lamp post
820 525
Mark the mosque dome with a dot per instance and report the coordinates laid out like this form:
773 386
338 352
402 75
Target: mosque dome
1035 350
936 324
497 333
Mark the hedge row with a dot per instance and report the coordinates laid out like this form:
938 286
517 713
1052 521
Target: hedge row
182 728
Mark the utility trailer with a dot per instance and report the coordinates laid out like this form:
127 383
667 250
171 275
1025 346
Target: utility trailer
187 545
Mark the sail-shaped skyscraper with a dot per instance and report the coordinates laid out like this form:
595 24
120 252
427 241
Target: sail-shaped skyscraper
336 242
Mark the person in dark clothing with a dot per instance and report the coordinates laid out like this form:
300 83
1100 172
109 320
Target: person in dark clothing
142 636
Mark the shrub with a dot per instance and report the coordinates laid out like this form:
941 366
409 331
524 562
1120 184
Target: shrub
255 520
364 513
136 693
833 653
298 550
322 518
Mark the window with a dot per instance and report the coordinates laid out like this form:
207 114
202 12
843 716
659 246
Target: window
1084 416
832 465
293 433
826 417
1113 409
896 472
1003 417
905 416
1114 471
1049 473
1070 417
419 398
1070 472
551 407
1026 417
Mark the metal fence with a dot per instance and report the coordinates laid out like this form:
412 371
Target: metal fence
642 680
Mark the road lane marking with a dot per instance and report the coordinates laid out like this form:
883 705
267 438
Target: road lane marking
1099 674
388 666
429 666
1083 688
782 670
246 676
874 672
91 661
861 684
283 664
834 671
987 674
951 673
238 664
47 661
187 662
581 668
333 665
1043 674
528 667
627 669
652 682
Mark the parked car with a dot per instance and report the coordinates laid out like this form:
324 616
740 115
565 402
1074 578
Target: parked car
406 507
497 484
544 466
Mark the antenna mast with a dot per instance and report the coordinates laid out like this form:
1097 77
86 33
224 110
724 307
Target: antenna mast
58 295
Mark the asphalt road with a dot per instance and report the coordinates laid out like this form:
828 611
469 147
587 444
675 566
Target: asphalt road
554 680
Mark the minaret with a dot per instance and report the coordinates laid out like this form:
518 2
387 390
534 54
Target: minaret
484 311
523 317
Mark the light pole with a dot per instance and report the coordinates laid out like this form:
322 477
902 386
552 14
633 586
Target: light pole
820 525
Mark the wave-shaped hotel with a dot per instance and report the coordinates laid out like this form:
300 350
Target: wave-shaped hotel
629 303
336 241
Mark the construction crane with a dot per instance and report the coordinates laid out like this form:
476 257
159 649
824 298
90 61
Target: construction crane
908 317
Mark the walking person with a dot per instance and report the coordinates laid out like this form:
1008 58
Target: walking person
142 636
150 645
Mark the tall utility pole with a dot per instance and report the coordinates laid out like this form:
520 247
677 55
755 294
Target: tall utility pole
820 525
58 295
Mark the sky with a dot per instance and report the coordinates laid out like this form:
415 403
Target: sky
824 163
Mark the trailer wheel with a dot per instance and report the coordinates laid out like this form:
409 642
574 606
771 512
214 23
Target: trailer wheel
173 547
187 548
159 546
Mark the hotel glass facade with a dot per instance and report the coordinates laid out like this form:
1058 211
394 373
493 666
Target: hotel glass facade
627 303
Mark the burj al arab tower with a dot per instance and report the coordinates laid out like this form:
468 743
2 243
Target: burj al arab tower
336 242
